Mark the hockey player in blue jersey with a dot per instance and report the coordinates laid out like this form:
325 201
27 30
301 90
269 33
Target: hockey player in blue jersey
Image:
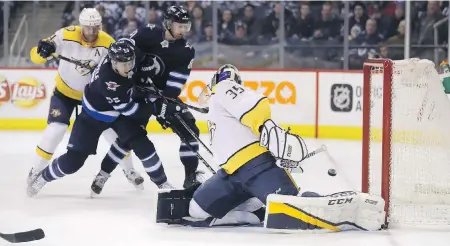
170 59
107 103
251 187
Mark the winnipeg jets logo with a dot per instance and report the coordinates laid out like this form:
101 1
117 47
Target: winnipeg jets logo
165 44
112 86
151 26
188 45
157 66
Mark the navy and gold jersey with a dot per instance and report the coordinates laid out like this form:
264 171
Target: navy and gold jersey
108 94
171 61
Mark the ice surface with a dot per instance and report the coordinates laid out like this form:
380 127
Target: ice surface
122 216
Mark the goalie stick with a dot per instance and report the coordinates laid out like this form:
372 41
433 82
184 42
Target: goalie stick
26 236
294 167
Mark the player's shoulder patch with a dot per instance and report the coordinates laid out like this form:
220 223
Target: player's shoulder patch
72 33
70 28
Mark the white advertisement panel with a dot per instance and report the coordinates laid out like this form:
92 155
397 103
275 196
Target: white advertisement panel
25 93
340 98
291 94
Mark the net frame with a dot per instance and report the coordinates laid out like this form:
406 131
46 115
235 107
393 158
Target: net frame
387 65
415 187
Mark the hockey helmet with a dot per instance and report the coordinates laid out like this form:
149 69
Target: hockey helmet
226 72
90 17
122 56
176 17
91 23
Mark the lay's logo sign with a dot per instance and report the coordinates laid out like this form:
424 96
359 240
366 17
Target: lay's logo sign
25 93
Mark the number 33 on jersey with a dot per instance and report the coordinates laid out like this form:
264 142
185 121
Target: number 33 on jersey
238 110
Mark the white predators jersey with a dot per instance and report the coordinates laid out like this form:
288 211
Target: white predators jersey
235 114
71 79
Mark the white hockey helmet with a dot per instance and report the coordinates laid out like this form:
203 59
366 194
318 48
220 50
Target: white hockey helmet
90 17
227 71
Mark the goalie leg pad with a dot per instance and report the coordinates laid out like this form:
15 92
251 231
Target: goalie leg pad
360 211
172 206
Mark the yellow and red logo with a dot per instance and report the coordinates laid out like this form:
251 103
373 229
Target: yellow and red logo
5 92
27 92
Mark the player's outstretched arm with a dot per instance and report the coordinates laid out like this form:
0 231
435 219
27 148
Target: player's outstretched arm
47 46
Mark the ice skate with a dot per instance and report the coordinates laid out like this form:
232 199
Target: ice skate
36 185
135 179
166 185
98 183
32 176
195 178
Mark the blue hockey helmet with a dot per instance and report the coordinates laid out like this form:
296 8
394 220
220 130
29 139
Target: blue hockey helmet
122 57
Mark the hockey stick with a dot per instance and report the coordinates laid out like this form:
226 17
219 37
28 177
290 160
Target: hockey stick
158 95
21 237
188 129
76 62
193 133
185 141
295 166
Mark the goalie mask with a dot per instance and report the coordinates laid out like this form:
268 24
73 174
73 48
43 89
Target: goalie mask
225 72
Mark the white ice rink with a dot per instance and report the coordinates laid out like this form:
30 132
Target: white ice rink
121 216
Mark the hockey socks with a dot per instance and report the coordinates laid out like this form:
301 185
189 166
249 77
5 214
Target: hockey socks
146 152
115 155
50 139
188 157
64 165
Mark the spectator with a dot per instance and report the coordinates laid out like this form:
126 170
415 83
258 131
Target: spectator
392 22
249 19
424 30
240 37
108 23
368 37
197 21
271 24
208 33
326 27
305 24
153 17
359 16
226 26
130 15
132 26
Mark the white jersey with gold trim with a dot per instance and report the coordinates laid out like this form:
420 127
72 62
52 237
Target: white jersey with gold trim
235 114
71 78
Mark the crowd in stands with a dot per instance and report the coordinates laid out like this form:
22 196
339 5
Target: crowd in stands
309 26
13 7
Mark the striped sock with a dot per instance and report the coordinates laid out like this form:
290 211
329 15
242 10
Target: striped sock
53 171
189 157
154 168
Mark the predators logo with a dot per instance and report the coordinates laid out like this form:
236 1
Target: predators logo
55 112
83 69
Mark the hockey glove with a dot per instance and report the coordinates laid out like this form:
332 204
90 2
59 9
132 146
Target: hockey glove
281 143
165 111
46 47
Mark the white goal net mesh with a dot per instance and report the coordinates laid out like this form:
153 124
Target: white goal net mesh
419 165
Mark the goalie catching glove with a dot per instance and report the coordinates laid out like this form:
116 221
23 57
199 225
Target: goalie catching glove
281 143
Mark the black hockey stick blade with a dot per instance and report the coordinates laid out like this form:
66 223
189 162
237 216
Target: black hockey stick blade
26 236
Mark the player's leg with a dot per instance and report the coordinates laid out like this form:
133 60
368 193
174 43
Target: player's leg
261 177
122 156
219 201
187 156
135 136
82 143
61 108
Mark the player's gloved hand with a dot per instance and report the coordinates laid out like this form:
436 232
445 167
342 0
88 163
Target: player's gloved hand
46 47
165 110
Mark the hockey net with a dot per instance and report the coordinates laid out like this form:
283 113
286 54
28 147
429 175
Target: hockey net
406 141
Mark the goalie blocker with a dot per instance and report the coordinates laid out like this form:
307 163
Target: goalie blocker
341 211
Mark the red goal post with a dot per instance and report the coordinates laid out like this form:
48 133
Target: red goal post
406 141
